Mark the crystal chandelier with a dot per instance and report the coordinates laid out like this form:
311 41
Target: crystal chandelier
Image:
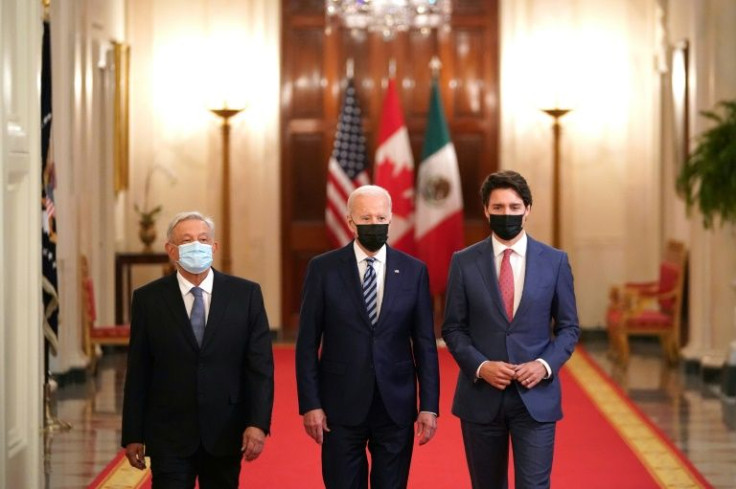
389 16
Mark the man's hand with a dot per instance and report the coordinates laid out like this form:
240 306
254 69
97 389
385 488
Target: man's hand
426 426
315 424
253 441
136 454
530 373
498 374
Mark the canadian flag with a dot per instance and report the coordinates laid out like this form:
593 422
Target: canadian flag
394 170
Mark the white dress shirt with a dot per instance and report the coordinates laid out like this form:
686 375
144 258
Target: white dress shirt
185 287
518 264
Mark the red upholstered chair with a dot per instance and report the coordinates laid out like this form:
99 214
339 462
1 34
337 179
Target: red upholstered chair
650 308
97 335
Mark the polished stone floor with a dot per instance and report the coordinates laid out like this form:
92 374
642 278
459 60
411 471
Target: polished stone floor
692 413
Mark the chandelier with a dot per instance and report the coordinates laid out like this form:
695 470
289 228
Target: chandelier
389 16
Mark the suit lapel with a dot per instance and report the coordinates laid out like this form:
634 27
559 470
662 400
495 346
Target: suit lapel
391 282
218 306
351 278
533 260
487 269
175 304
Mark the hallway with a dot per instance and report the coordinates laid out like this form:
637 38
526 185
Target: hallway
690 412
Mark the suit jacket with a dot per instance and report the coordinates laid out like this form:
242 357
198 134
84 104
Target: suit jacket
178 395
354 356
476 328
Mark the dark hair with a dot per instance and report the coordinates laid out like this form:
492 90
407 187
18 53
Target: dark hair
506 179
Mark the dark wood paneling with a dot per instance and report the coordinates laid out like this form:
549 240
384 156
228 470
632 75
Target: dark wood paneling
469 149
305 93
303 7
312 87
306 151
474 7
468 93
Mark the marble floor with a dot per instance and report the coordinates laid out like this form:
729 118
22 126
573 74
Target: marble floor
695 416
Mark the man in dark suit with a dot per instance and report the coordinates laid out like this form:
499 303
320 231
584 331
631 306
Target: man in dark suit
199 385
511 323
365 340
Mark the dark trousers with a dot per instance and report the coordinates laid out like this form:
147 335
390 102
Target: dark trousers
344 460
169 472
487 447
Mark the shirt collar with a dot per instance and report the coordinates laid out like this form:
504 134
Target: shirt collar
185 285
361 255
519 247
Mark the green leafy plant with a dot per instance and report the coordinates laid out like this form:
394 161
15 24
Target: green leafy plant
707 179
147 217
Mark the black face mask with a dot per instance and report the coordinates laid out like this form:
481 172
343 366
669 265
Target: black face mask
505 226
372 236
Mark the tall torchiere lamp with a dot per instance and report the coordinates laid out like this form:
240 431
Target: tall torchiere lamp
556 115
225 114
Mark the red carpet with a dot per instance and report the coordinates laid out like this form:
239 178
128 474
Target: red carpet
596 447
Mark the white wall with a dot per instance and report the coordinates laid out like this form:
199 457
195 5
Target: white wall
81 40
179 60
709 26
598 59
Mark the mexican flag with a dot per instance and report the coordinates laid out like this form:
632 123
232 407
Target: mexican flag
439 214
394 170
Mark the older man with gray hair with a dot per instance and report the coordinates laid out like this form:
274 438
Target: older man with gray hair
199 384
366 340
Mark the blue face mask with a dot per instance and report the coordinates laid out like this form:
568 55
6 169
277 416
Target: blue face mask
195 257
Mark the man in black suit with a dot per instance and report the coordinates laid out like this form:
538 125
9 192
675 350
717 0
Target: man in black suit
368 308
199 385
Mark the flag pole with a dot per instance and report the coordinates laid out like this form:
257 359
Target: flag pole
349 68
435 66
51 423
392 68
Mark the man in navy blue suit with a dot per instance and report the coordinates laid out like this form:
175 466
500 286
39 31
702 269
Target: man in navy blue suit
365 340
511 323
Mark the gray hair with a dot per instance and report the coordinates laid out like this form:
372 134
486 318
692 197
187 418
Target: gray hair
187 216
368 190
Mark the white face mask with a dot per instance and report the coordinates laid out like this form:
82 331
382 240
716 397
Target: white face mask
195 257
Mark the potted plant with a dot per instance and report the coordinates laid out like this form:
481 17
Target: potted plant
147 215
707 179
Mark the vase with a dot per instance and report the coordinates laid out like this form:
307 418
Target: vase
147 234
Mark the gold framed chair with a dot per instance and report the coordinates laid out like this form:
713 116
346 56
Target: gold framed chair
650 308
93 334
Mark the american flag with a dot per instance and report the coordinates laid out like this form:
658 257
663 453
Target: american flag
346 170
49 282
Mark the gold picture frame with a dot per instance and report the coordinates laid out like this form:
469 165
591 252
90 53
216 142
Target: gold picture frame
120 137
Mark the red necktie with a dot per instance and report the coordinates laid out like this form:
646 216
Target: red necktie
506 282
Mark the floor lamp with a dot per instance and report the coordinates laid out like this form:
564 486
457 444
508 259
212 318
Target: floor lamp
556 115
225 114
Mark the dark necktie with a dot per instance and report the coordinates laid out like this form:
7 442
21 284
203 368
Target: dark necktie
370 291
506 283
197 316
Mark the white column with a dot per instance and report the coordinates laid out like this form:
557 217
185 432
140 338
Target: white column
21 342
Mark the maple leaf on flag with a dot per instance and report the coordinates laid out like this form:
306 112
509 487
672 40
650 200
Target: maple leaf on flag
399 181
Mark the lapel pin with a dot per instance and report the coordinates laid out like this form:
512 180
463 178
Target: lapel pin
396 271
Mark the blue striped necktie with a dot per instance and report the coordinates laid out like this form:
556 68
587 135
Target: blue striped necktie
370 291
197 317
